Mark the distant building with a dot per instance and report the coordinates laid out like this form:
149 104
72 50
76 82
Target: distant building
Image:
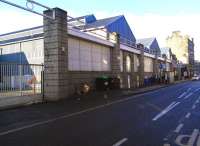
183 47
197 67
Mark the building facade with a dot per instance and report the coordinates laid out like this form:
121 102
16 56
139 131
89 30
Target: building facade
80 57
183 47
150 45
197 67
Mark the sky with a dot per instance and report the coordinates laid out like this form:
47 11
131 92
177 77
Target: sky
147 18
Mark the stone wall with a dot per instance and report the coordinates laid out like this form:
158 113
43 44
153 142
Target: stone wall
78 77
60 82
56 57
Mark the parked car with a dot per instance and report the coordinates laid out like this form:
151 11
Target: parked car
196 78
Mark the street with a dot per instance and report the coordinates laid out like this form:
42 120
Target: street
164 117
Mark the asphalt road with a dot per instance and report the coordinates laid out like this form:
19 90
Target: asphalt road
166 117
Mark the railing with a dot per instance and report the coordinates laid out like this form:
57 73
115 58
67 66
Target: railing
20 79
128 43
80 26
103 34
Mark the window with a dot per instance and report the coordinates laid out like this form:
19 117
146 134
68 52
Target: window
148 64
128 63
105 60
73 54
86 56
121 61
136 63
96 58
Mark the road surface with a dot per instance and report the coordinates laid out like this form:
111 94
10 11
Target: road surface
165 117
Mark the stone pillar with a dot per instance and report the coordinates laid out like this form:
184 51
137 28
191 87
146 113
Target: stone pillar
133 76
56 55
125 71
165 70
165 64
141 67
155 66
115 59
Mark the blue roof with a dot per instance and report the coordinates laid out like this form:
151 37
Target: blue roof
102 22
165 50
18 57
88 18
15 58
147 42
150 43
116 24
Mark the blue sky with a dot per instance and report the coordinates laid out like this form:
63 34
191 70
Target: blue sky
164 7
147 18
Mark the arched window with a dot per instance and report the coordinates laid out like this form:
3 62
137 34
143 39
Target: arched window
136 63
128 63
121 61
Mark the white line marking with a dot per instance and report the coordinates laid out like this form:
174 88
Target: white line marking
193 137
197 90
166 110
74 114
188 95
79 113
198 141
166 144
188 115
178 128
194 106
120 142
188 89
183 94
191 141
165 139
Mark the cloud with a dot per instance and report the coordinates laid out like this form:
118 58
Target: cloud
16 20
143 26
161 26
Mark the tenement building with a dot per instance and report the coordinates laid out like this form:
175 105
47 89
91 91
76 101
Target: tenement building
183 47
197 67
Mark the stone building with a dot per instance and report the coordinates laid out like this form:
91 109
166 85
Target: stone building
183 47
197 67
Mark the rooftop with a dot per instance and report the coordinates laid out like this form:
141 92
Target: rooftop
146 41
102 22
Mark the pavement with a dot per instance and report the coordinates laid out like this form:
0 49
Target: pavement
164 117
11 102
